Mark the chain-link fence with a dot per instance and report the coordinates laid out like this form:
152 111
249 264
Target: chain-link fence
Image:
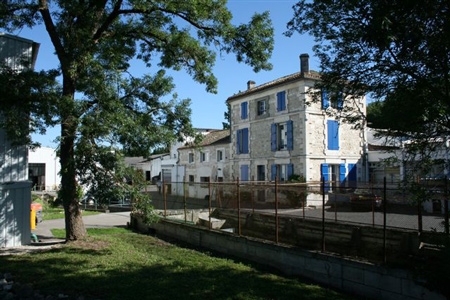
313 215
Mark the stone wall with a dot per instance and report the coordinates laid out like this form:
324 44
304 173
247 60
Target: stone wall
362 279
363 241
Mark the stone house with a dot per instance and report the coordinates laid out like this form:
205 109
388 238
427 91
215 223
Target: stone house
276 134
206 162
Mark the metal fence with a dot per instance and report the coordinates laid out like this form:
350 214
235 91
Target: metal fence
382 207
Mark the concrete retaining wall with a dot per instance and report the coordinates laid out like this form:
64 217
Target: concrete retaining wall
363 241
362 279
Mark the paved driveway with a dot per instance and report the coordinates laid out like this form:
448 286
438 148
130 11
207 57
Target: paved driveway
117 219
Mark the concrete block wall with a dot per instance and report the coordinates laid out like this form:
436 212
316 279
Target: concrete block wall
359 278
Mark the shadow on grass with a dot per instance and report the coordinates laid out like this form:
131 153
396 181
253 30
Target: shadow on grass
132 266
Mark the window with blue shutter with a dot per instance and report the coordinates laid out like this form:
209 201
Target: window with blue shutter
290 171
244 110
238 141
242 141
273 172
273 137
325 99
290 135
282 136
342 175
333 135
281 101
244 173
325 176
352 175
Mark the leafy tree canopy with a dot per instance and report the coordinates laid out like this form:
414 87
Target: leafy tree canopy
395 51
101 107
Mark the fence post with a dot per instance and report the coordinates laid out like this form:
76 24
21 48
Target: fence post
419 211
384 220
184 199
446 215
209 204
239 207
276 209
164 199
323 214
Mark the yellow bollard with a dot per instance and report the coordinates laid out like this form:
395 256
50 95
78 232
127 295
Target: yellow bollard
33 219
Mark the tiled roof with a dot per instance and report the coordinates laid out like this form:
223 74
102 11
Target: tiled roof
212 138
282 80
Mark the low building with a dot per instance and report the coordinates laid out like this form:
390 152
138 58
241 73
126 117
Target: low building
43 169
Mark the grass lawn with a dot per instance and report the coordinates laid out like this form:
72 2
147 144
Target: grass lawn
119 264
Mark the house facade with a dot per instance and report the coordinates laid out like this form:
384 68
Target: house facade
276 134
15 190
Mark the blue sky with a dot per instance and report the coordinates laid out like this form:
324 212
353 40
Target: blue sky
208 109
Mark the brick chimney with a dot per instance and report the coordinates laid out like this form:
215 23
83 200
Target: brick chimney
304 63
250 84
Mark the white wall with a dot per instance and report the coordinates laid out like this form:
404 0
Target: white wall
48 157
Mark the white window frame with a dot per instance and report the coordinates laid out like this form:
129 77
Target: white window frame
220 154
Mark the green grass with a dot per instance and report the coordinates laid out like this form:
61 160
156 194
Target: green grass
51 213
119 264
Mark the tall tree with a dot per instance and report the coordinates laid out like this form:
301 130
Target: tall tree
398 52
395 51
100 105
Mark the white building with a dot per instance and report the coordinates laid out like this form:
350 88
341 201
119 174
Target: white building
43 169
15 191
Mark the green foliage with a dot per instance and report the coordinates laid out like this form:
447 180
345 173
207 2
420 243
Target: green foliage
227 116
392 50
396 52
296 178
102 108
29 101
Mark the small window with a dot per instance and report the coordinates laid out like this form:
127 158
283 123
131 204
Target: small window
219 155
244 110
191 158
282 137
333 134
203 156
242 141
333 99
281 101
261 107
204 179
191 178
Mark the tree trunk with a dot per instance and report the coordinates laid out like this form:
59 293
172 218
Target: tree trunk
74 222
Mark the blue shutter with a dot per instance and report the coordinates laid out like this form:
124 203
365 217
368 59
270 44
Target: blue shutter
325 99
273 172
290 171
245 140
238 141
342 174
290 135
244 172
273 137
325 176
281 101
244 110
352 175
340 100
333 135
